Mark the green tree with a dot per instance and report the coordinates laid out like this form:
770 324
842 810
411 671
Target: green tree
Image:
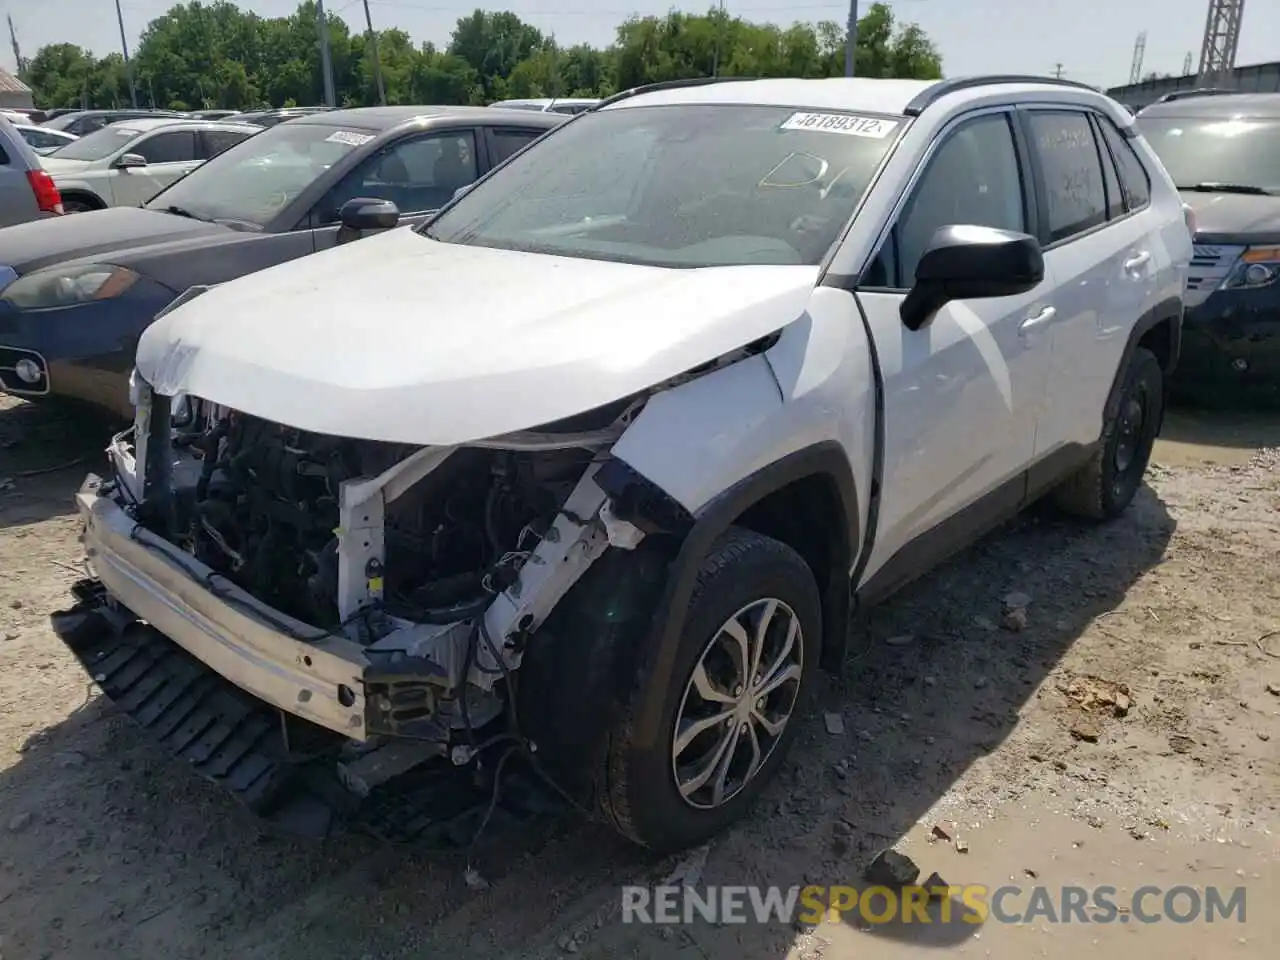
212 53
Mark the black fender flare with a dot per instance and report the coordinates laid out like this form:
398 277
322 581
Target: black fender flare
827 459
1168 311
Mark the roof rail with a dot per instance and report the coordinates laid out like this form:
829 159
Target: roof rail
928 97
666 85
1196 92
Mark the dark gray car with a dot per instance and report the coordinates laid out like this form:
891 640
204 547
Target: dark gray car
26 191
82 289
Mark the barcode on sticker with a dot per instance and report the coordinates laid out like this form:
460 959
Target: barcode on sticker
845 123
349 138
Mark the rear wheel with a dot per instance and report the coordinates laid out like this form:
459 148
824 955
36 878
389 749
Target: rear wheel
1107 484
79 205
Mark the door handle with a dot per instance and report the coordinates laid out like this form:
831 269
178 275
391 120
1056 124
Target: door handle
1137 261
1037 320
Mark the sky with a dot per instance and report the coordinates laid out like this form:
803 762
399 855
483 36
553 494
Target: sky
1092 40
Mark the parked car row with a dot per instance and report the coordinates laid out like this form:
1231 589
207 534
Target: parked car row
86 287
632 410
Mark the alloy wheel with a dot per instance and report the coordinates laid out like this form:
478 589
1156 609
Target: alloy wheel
737 703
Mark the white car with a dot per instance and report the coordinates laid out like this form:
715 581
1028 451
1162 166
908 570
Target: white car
593 466
43 140
570 105
127 163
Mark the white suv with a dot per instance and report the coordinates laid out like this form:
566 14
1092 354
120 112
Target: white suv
593 467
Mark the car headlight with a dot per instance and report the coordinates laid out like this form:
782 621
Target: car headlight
67 286
1257 267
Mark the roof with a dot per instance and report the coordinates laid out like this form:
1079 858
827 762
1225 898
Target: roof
143 125
384 118
1217 105
834 93
865 94
11 84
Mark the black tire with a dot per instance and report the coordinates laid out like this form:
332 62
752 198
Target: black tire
79 205
1104 487
638 792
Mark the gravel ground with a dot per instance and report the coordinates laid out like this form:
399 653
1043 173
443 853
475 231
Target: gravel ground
1007 730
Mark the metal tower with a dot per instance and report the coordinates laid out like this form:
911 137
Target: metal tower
1221 38
1139 49
1186 64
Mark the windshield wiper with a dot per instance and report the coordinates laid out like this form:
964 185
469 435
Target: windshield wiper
1215 186
182 212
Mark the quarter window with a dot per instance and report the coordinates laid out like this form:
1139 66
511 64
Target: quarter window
973 178
1072 171
1134 183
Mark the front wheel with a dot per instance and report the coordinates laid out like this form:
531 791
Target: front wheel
746 661
1107 484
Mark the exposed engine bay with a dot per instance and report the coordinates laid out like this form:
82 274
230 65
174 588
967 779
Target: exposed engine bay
265 512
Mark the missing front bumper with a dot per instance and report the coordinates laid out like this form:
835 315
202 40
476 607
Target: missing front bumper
282 662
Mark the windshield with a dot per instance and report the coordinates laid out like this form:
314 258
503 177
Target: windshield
253 181
1210 150
680 186
99 144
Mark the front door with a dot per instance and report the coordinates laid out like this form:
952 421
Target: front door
962 394
419 174
170 154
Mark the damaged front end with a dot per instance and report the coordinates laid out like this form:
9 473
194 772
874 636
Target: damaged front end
311 619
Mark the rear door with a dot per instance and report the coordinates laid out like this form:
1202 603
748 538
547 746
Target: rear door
170 155
419 173
1097 248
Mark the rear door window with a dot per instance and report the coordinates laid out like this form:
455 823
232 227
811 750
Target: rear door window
1075 195
506 141
1134 182
177 146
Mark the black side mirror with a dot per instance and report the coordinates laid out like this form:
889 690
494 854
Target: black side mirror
964 262
369 213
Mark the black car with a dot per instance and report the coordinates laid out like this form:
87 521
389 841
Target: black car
81 122
77 292
1223 152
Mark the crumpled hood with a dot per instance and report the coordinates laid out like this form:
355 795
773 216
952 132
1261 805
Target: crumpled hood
54 240
1234 217
400 338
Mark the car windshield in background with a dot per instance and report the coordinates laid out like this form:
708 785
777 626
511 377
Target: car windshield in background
1238 152
99 144
679 186
253 181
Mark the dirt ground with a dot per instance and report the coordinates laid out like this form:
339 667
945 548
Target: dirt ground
1009 737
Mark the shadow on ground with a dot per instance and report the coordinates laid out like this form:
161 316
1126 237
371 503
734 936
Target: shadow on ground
1192 435
45 451
162 864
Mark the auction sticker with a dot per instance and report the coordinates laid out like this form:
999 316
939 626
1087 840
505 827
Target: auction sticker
349 138
846 123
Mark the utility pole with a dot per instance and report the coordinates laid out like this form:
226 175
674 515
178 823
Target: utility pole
1221 38
1186 64
851 38
373 49
124 48
17 50
1139 49
715 62
326 67
1057 70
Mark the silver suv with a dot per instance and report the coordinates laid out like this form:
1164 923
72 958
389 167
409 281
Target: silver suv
26 191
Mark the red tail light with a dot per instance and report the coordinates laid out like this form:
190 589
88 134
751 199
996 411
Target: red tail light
47 196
